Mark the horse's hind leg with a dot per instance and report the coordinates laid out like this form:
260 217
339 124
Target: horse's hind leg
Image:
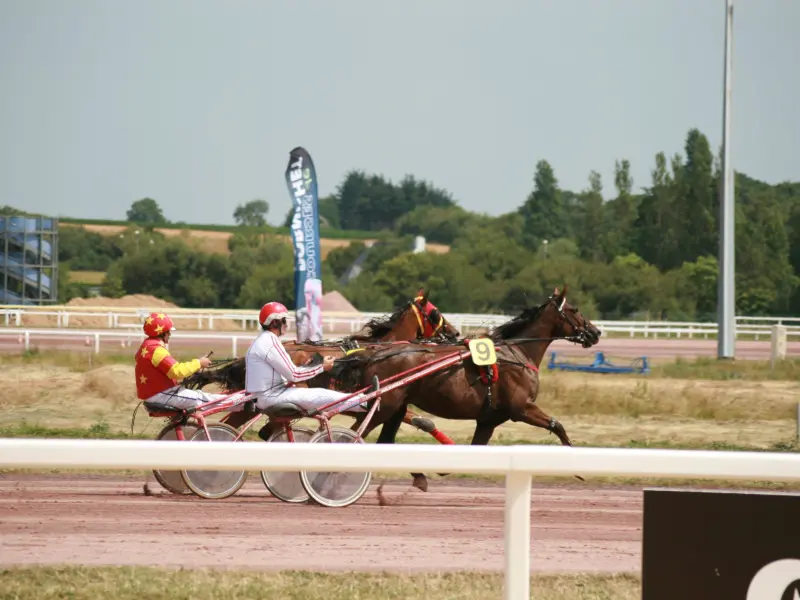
533 415
388 435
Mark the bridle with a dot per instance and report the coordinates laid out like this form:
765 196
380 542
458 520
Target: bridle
581 329
429 318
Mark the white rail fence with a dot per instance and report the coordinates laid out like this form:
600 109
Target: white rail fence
518 463
28 338
131 318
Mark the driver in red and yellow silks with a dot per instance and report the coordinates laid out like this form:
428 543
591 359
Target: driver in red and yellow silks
157 372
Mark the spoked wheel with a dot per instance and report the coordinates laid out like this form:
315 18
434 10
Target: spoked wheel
214 484
286 485
335 489
172 480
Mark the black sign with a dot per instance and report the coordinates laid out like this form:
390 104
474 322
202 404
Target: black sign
709 545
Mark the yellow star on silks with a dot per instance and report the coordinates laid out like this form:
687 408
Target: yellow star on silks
144 352
142 379
161 316
149 320
159 329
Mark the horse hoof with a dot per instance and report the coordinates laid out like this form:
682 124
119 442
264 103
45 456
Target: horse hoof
421 483
424 424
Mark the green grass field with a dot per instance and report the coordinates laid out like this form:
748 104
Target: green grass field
138 583
684 405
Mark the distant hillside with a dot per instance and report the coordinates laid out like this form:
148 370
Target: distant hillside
214 238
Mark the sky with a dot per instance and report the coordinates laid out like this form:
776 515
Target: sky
198 103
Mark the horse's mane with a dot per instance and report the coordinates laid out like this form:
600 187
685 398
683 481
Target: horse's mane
380 326
512 328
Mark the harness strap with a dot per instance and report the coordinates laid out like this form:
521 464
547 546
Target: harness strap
420 316
495 374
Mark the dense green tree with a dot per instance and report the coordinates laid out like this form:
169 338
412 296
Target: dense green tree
145 211
651 255
544 212
251 214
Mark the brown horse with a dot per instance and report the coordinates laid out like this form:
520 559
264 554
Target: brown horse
466 391
417 319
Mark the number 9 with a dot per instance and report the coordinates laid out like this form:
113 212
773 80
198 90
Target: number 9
483 351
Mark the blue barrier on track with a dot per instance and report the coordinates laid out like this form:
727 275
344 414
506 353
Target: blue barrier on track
601 365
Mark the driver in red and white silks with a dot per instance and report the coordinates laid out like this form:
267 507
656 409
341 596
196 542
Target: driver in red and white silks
157 372
270 371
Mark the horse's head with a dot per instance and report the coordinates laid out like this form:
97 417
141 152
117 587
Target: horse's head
430 322
569 322
417 319
555 318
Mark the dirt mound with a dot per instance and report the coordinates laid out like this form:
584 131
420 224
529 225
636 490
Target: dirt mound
131 301
336 303
99 321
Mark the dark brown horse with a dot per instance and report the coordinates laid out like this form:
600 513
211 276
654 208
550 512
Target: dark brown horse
417 319
466 391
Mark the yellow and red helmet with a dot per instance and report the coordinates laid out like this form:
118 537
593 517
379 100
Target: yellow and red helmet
157 324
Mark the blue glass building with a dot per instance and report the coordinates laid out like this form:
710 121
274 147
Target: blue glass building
28 260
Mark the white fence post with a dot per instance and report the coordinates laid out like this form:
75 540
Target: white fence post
27 338
234 341
518 537
97 343
778 346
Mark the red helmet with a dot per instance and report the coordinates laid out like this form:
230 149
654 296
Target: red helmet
272 311
157 324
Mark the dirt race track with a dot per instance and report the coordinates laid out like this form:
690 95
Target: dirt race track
457 525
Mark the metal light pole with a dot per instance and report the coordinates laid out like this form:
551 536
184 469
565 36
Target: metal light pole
726 296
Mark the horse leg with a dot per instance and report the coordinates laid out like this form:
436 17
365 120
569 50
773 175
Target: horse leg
388 435
533 415
426 425
484 429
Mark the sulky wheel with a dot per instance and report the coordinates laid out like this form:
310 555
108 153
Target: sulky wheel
286 485
335 489
172 480
214 484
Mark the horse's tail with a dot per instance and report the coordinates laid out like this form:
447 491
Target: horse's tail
348 372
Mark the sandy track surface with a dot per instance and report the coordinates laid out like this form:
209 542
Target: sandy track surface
107 520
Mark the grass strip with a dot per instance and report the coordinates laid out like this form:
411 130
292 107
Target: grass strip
135 583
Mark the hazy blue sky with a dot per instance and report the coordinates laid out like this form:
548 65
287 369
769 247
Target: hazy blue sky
197 103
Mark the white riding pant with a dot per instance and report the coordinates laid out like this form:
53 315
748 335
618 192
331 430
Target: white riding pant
180 397
305 398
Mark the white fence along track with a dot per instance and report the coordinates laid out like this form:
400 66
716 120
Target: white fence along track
347 323
27 338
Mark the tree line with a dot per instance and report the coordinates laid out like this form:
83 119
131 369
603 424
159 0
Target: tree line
649 254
